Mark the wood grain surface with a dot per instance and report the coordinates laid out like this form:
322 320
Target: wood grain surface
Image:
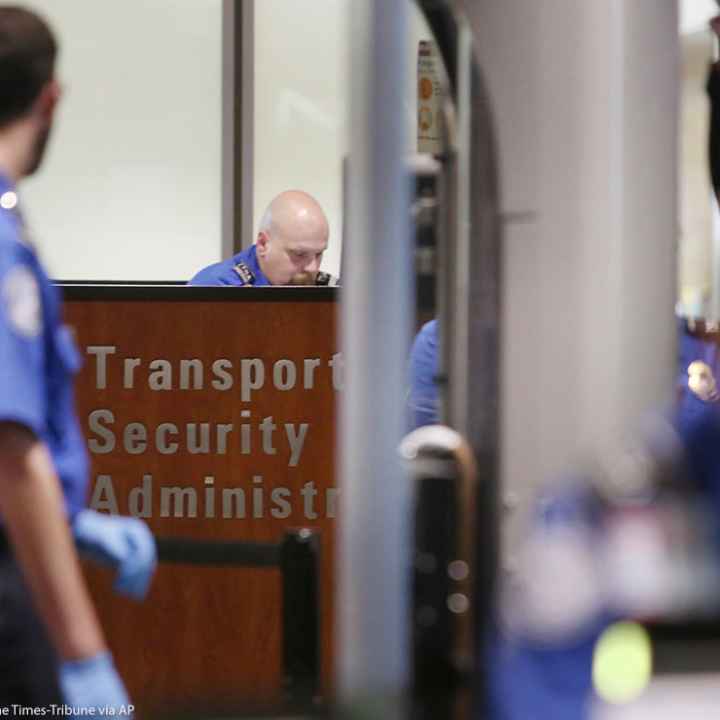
211 635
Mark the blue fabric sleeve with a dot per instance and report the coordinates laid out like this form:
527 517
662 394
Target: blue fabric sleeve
211 275
22 345
424 362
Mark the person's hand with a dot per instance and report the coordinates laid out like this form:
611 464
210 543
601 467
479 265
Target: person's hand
94 683
124 543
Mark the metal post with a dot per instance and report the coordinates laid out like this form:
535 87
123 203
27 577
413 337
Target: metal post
373 656
238 68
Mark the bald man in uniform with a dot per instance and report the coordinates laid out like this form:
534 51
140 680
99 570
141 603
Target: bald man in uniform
291 240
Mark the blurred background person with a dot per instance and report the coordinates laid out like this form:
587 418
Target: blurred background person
423 386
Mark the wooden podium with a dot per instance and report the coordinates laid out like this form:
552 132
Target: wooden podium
210 412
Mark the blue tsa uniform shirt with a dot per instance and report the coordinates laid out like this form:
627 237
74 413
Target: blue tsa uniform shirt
242 269
698 417
533 678
38 356
424 365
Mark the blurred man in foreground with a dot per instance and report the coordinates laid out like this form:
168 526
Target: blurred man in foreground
602 545
52 648
291 240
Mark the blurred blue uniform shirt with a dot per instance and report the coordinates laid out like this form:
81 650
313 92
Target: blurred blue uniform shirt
424 366
698 419
38 358
530 681
224 273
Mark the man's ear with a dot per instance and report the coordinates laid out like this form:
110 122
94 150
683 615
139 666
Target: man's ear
48 99
262 243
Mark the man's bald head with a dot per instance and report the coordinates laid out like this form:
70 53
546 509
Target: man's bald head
292 238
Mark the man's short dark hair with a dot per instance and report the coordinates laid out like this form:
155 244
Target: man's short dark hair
27 60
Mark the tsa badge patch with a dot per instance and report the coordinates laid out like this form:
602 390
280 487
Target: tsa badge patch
701 381
21 300
244 273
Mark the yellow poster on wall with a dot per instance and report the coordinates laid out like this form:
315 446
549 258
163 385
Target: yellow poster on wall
430 119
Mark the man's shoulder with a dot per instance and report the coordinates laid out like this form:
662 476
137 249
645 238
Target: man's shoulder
22 288
209 275
13 250
424 352
237 270
427 338
219 273
9 232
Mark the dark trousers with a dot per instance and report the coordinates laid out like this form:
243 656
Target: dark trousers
28 664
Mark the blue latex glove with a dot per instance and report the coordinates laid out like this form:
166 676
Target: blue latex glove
94 683
125 543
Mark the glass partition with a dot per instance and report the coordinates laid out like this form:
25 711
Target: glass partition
131 189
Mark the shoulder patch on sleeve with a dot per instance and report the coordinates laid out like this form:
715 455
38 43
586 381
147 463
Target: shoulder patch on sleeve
244 273
21 300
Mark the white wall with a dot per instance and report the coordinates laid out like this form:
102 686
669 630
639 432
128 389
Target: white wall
131 185
695 247
694 14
